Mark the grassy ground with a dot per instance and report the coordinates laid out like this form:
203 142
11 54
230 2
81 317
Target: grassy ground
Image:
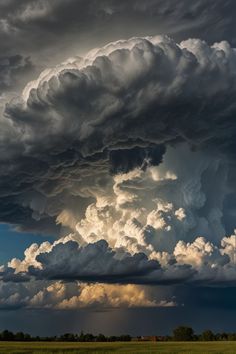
130 347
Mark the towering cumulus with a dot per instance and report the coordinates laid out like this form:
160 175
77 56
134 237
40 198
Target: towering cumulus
117 164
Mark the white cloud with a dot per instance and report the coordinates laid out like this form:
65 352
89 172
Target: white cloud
65 296
107 295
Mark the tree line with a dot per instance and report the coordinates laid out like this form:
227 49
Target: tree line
187 334
184 333
181 333
66 337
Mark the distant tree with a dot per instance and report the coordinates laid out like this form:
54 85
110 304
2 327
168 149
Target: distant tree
19 336
207 335
68 337
218 336
183 333
81 337
88 337
27 337
112 339
7 335
232 336
101 338
224 336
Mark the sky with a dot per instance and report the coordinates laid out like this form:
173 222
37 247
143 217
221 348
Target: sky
117 166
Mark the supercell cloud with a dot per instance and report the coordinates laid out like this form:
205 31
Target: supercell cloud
130 151
77 123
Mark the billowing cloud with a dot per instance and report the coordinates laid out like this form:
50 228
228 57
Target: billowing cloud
75 296
107 295
131 147
197 262
110 111
93 262
126 155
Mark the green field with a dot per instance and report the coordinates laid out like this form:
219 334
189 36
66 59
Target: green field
130 347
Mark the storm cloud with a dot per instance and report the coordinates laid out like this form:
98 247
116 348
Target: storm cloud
117 148
129 98
57 27
94 146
